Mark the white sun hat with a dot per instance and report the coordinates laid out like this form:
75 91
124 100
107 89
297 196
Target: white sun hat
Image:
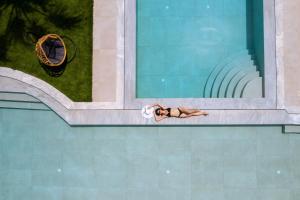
147 112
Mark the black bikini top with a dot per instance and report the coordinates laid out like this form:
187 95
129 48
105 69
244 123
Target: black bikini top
169 112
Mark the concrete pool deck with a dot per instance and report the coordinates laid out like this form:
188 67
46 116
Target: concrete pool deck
291 52
94 113
109 102
108 48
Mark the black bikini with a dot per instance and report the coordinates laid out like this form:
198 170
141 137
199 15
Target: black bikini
169 112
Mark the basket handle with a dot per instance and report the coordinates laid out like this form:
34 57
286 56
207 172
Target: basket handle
75 52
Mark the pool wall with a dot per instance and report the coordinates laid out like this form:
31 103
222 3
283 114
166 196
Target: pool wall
258 35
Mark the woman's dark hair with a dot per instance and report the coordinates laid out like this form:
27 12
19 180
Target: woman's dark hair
157 111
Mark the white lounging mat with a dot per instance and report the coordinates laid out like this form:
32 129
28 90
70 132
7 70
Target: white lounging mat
147 112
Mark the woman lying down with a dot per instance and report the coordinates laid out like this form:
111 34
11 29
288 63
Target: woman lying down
161 112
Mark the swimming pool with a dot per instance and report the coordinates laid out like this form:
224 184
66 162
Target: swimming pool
196 49
41 157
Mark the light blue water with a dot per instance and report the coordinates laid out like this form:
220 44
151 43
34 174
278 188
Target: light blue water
42 158
180 42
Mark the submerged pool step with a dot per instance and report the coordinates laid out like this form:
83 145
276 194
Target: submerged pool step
20 101
235 81
236 77
214 73
291 129
18 97
241 62
23 105
229 77
237 92
253 89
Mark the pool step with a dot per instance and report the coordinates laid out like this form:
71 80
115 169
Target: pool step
229 93
253 89
238 78
290 129
23 105
216 71
231 78
243 61
20 101
18 97
238 90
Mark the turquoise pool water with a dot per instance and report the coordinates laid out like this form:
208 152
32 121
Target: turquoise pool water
41 157
180 43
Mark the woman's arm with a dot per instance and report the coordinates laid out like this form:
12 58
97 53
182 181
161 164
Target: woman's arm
158 105
156 117
159 118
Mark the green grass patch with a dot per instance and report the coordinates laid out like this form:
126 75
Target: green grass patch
72 18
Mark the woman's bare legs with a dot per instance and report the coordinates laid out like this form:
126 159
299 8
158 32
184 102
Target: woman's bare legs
192 112
186 112
200 113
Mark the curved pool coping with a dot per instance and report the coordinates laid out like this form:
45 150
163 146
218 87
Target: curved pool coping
99 113
53 92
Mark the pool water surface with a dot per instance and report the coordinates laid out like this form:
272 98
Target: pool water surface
41 157
180 43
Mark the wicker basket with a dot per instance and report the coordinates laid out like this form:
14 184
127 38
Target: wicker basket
51 50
